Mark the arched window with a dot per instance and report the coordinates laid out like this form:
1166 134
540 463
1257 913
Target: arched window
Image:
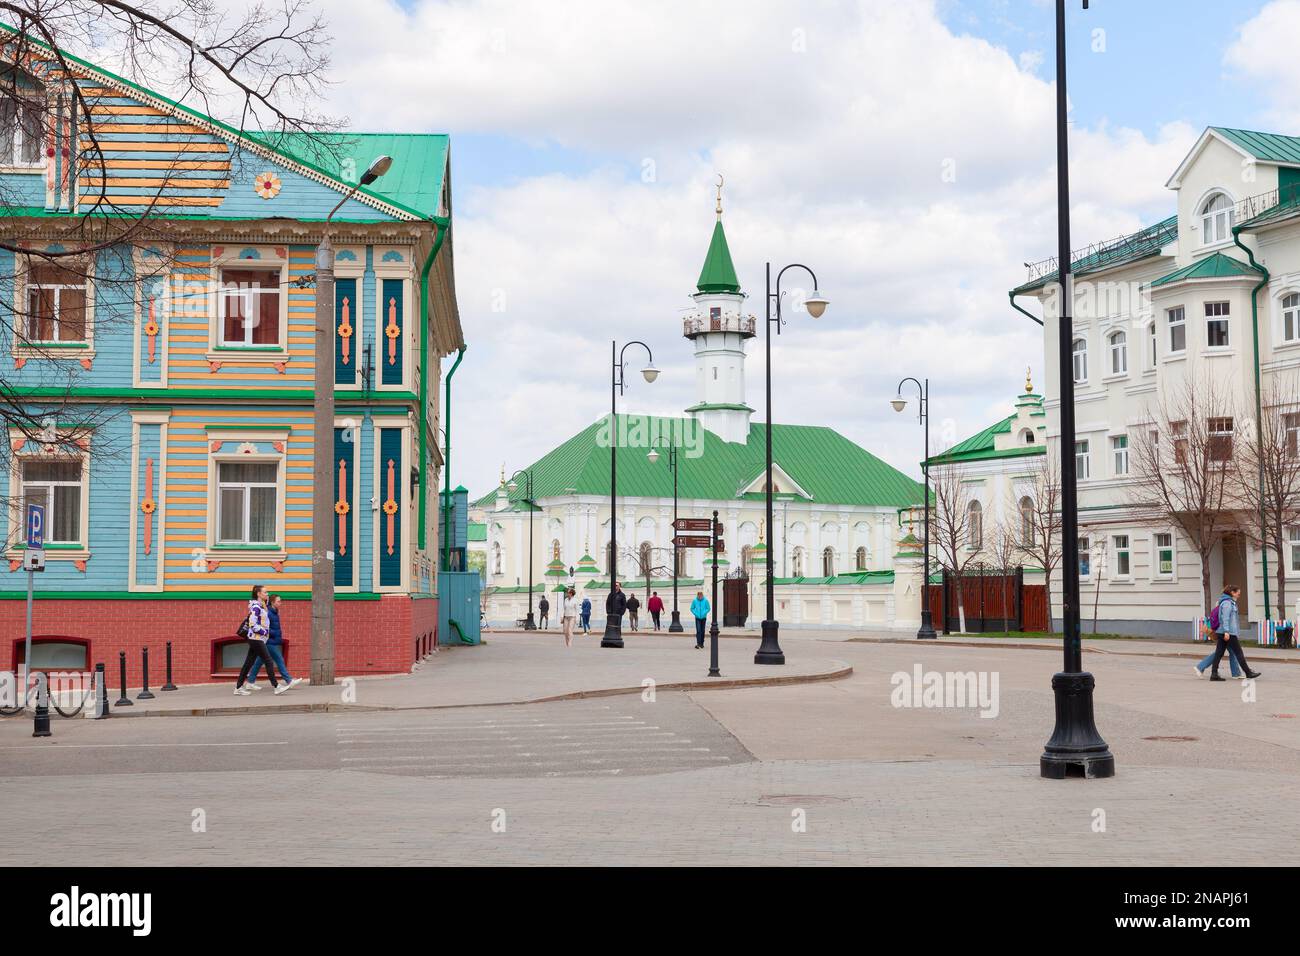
975 525
797 563
1027 436
1079 348
860 561
609 559
646 560
1152 347
828 563
1118 353
1216 219
746 555
1291 318
1026 522
496 558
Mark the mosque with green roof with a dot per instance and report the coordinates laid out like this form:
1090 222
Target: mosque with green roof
836 520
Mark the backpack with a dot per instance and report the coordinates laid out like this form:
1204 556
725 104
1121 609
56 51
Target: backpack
242 630
1214 617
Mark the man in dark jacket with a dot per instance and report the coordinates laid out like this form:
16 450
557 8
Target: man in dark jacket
616 604
633 605
543 609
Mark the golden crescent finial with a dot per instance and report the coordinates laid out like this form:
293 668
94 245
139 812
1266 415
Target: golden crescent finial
1029 385
720 182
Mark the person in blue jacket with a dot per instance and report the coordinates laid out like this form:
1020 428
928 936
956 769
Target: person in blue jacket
586 615
1227 634
274 647
700 611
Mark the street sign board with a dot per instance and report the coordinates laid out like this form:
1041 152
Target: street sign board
36 526
34 559
697 541
696 524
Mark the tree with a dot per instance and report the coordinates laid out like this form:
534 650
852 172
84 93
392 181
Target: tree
252 69
1004 547
1266 478
1184 478
956 531
1039 510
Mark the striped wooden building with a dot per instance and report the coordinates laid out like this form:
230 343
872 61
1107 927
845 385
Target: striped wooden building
185 362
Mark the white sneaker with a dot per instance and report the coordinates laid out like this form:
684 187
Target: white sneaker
1199 672
281 688
297 680
242 692
252 686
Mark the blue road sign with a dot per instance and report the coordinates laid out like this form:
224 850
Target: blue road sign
36 526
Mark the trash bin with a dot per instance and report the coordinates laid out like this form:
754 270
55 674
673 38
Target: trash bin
1286 636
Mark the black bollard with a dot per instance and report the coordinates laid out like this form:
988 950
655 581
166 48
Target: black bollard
101 693
123 701
169 685
144 676
41 724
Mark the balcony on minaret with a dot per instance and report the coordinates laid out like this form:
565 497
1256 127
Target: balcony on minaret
700 323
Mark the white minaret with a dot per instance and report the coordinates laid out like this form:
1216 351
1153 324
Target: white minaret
718 327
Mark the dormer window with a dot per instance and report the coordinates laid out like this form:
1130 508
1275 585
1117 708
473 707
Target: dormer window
1026 437
1217 219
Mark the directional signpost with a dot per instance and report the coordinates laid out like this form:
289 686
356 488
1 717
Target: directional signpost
33 561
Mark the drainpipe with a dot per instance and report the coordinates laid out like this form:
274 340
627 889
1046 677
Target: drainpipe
446 467
1259 408
1011 296
441 224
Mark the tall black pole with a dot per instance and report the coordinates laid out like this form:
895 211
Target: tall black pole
676 626
926 631
531 623
713 606
1076 747
613 636
769 651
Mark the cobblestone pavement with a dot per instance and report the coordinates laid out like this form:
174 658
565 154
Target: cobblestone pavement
818 773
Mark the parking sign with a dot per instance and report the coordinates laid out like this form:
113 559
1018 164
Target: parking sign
36 526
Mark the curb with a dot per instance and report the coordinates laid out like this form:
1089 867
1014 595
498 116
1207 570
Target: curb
841 672
1186 655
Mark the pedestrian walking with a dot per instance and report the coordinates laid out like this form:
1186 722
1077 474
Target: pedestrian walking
633 605
1225 619
543 608
568 613
258 628
616 605
586 615
274 647
656 607
700 611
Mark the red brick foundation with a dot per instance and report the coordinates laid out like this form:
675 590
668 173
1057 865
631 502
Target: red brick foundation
370 637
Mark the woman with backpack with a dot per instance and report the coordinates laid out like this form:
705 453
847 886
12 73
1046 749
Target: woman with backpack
257 628
1225 620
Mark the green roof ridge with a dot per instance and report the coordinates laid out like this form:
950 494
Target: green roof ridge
1217 266
718 274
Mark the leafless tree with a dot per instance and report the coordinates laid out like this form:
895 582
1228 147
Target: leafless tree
1182 467
1003 547
258 68
1040 520
1267 475
957 533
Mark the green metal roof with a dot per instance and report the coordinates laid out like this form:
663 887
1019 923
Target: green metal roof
1217 266
477 531
828 466
718 274
1268 147
414 181
1134 247
983 445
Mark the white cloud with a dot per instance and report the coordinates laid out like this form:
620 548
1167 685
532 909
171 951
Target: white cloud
1264 54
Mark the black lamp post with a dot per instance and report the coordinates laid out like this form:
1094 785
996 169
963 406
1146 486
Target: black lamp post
926 631
676 626
769 651
530 623
1076 747
613 636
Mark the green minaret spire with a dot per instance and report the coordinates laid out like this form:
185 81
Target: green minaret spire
718 274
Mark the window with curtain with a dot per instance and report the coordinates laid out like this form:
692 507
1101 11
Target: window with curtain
250 307
21 126
57 486
56 302
247 502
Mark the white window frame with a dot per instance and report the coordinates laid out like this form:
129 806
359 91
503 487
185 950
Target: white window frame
14 161
246 487
1028 524
1213 317
1124 550
1230 433
1156 547
1117 349
247 354
1217 219
32 451
1079 359
1288 318
78 350
239 447
1176 320
1082 459
1152 346
1293 566
1084 544
974 526
1291 428
1119 455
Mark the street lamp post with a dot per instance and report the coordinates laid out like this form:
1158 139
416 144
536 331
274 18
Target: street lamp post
530 623
769 651
323 517
676 626
926 631
613 636
1075 747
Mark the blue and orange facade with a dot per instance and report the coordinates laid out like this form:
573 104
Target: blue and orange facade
178 387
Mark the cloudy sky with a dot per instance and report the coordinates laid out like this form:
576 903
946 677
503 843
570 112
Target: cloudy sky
903 149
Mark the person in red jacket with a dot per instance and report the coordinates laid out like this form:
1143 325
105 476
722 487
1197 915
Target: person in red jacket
656 607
